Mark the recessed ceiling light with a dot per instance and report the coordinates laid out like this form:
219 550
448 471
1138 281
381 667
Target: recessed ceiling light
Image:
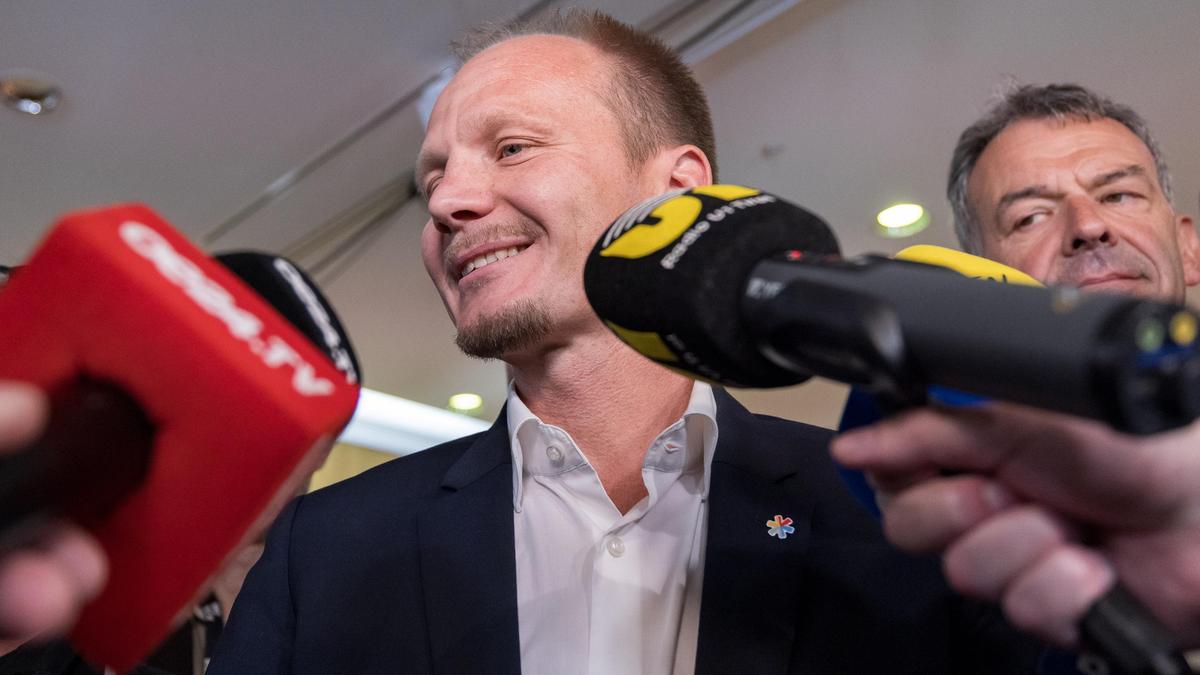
466 404
29 94
902 220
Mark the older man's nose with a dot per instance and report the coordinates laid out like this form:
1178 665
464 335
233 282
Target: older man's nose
1086 228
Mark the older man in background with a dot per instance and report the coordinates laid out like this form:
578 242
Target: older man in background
1071 188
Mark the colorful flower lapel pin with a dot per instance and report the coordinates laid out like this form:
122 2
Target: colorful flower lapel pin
780 527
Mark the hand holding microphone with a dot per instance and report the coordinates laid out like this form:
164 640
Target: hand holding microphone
1031 485
238 405
736 286
42 588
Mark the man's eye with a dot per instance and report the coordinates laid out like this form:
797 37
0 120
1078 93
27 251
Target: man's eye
510 149
1028 220
1118 197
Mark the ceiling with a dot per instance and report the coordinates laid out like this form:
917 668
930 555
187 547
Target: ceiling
845 106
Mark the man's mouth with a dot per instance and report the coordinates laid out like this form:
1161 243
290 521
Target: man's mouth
1105 279
485 259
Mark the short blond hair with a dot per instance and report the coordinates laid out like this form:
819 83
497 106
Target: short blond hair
657 101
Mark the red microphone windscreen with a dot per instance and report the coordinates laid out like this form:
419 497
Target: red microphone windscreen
241 402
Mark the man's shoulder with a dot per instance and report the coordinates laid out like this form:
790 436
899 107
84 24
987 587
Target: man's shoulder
750 439
731 414
392 485
785 429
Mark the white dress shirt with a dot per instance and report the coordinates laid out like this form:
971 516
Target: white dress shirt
598 592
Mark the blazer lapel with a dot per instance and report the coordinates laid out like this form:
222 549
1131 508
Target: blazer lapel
748 609
468 566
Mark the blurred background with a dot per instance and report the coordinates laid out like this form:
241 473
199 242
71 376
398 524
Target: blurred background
292 127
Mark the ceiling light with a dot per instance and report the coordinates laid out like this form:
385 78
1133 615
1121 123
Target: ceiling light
466 403
29 94
399 426
902 220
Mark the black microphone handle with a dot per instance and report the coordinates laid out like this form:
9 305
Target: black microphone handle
896 327
1124 636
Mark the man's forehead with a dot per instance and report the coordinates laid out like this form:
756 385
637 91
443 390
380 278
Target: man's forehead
534 50
513 80
527 59
1025 151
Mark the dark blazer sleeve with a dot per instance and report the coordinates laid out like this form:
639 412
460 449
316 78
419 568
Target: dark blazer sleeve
258 636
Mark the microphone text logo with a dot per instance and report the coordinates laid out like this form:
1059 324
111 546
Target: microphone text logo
661 221
219 302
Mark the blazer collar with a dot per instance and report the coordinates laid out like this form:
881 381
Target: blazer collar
488 451
749 600
468 565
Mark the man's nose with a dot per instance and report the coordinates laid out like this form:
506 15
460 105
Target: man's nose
1087 228
464 194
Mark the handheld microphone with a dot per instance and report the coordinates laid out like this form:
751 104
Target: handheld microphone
734 285
296 297
238 404
739 287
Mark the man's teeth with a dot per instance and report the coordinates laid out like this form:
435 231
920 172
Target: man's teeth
488 259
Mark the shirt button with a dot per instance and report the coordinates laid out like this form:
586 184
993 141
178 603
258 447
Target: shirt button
616 547
672 446
554 453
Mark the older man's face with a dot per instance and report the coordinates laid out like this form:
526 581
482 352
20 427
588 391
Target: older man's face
1079 203
523 166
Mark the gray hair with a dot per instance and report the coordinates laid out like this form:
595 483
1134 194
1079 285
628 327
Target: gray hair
1062 102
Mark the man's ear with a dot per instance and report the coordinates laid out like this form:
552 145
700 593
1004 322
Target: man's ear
682 166
1189 248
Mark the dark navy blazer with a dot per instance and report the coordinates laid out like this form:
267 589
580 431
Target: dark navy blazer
410 568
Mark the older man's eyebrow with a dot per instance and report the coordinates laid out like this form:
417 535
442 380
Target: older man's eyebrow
1114 176
1024 193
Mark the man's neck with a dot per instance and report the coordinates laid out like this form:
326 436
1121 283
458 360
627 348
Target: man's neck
612 401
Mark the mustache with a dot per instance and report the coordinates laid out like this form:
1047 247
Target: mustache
520 228
1101 261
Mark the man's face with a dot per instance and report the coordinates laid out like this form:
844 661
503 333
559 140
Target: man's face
1079 203
523 166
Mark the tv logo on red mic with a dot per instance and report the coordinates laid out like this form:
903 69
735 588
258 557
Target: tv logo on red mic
214 299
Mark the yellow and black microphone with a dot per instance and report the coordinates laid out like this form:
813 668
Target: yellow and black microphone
668 278
740 287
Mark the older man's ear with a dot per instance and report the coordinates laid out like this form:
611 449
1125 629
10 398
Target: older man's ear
1189 249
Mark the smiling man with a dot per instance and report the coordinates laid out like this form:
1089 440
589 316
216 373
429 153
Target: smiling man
618 517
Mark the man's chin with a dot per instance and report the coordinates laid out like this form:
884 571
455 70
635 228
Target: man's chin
511 329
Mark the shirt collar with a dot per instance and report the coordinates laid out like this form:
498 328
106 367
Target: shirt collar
545 449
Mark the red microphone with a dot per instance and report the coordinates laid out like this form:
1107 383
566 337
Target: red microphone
241 405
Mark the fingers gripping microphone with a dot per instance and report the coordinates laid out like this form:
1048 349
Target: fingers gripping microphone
1123 633
236 399
740 287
